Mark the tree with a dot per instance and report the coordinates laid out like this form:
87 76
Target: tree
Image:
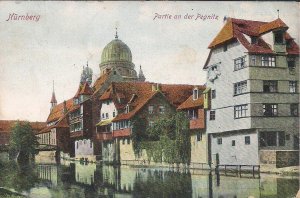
23 142
168 139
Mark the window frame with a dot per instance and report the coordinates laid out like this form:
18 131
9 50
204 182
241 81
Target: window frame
247 140
268 61
213 94
294 109
212 115
240 87
272 86
271 107
161 109
240 63
239 110
293 86
199 137
219 141
151 109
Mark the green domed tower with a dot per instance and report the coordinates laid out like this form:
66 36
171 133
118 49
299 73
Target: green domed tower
117 56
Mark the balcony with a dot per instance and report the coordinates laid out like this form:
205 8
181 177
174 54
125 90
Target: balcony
197 123
76 134
104 136
122 132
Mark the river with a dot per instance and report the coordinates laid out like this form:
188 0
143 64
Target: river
73 179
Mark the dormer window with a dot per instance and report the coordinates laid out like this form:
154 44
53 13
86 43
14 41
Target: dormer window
76 101
195 94
253 39
127 109
278 37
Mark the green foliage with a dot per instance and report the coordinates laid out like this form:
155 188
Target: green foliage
23 142
18 177
138 128
167 140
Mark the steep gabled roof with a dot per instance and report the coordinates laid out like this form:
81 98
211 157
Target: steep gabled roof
100 81
61 123
273 25
191 103
84 89
138 94
237 29
58 111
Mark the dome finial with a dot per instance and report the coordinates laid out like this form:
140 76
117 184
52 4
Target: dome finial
116 36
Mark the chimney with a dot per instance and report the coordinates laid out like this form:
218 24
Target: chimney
65 107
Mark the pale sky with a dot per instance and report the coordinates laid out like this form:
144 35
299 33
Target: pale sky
68 34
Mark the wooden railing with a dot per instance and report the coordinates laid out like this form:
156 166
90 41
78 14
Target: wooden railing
104 136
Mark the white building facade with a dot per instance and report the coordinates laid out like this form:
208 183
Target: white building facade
254 92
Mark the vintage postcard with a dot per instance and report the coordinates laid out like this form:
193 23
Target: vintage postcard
149 99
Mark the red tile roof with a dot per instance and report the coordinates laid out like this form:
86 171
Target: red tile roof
58 111
273 25
84 89
139 93
6 125
236 29
191 103
100 81
61 123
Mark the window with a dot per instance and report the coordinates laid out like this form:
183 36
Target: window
247 140
127 109
294 109
192 114
106 115
270 86
128 140
77 145
253 39
291 65
253 60
233 143
84 141
270 109
287 137
91 144
240 87
272 138
114 114
103 115
278 37
225 48
195 94
268 61
107 102
123 141
219 140
213 94
151 123
161 109
212 115
199 136
240 111
293 86
150 109
240 63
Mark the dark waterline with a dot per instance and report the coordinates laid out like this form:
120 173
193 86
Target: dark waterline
90 180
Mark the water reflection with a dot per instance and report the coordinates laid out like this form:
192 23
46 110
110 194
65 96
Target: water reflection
91 180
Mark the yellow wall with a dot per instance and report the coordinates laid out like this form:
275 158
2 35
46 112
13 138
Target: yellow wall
198 149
